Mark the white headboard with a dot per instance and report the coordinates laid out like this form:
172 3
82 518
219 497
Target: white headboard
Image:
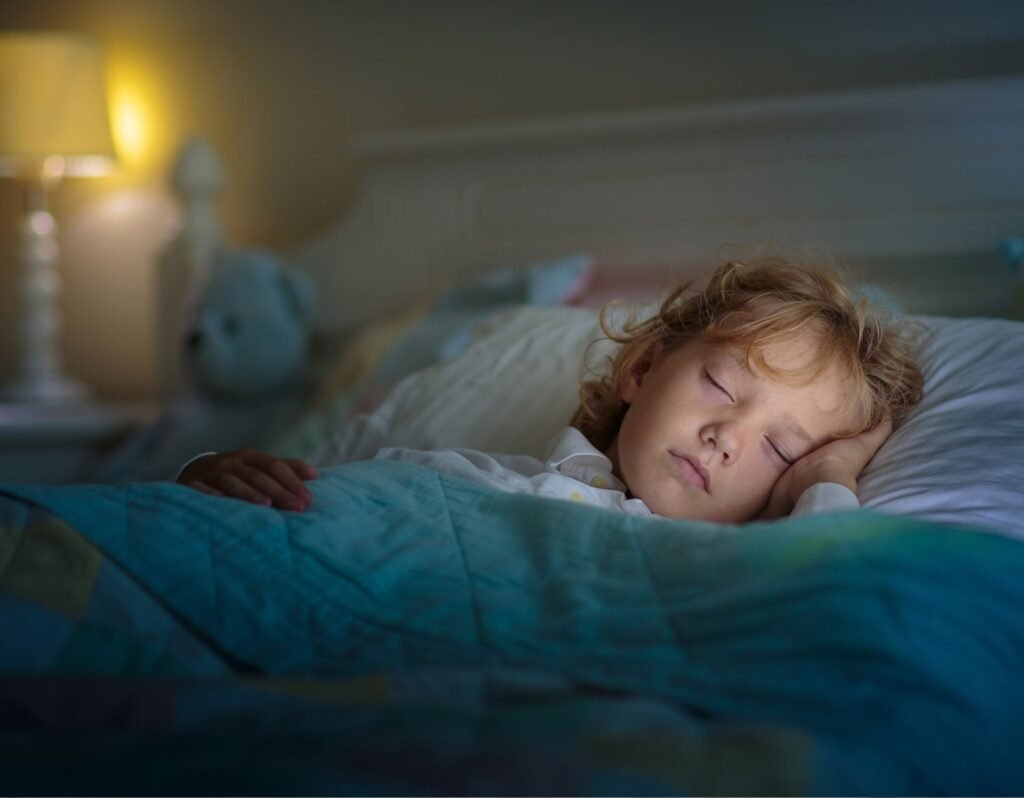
924 170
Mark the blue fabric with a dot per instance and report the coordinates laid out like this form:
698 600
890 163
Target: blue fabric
895 646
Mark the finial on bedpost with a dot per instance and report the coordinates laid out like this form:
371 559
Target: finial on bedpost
197 178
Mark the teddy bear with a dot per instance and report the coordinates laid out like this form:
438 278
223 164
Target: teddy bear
246 343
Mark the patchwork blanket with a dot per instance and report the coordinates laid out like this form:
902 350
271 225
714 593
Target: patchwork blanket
412 633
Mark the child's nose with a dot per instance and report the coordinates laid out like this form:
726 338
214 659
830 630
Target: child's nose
724 438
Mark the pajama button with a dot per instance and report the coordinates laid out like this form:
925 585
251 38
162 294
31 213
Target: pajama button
598 482
576 496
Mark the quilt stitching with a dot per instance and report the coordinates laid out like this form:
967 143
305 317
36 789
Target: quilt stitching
474 604
662 605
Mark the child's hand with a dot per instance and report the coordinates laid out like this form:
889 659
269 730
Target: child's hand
254 476
839 461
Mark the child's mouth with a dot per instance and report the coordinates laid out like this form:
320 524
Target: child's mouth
692 471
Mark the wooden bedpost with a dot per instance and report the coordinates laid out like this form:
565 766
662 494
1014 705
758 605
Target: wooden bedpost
190 254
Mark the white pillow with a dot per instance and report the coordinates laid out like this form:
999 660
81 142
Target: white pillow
512 389
959 457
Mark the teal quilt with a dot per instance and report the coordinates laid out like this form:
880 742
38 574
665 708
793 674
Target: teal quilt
416 634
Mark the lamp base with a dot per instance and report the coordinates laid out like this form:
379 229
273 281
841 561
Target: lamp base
40 378
45 389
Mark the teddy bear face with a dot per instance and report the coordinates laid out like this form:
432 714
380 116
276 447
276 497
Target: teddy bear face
250 331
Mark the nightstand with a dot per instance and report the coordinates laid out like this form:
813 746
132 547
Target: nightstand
59 443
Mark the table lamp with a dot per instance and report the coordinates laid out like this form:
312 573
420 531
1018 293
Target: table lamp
53 124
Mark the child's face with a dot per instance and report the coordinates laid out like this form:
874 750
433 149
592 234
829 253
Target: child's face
705 437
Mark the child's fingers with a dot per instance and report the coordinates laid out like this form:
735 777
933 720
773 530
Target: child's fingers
302 468
256 477
268 486
290 473
873 438
283 472
237 488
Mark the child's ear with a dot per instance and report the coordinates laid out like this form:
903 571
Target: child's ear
630 386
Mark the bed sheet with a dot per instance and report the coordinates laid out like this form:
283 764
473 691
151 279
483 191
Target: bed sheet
415 633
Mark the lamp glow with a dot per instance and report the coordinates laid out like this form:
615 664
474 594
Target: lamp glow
129 126
137 100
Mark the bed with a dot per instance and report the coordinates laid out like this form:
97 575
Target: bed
416 634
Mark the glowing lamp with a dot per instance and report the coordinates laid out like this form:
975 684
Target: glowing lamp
53 124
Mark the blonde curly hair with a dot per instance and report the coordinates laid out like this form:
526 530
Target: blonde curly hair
752 306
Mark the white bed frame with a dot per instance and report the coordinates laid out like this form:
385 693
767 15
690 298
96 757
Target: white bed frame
905 178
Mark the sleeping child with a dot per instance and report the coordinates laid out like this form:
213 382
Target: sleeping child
766 394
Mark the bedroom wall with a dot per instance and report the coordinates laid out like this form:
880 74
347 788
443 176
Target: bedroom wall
282 88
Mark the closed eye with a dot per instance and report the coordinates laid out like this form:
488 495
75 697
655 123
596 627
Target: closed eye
779 452
718 385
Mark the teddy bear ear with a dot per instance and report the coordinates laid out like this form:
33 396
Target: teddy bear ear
298 292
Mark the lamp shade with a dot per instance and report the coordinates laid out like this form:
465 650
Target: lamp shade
52 103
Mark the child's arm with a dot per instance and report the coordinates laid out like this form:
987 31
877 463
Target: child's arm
254 476
840 461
